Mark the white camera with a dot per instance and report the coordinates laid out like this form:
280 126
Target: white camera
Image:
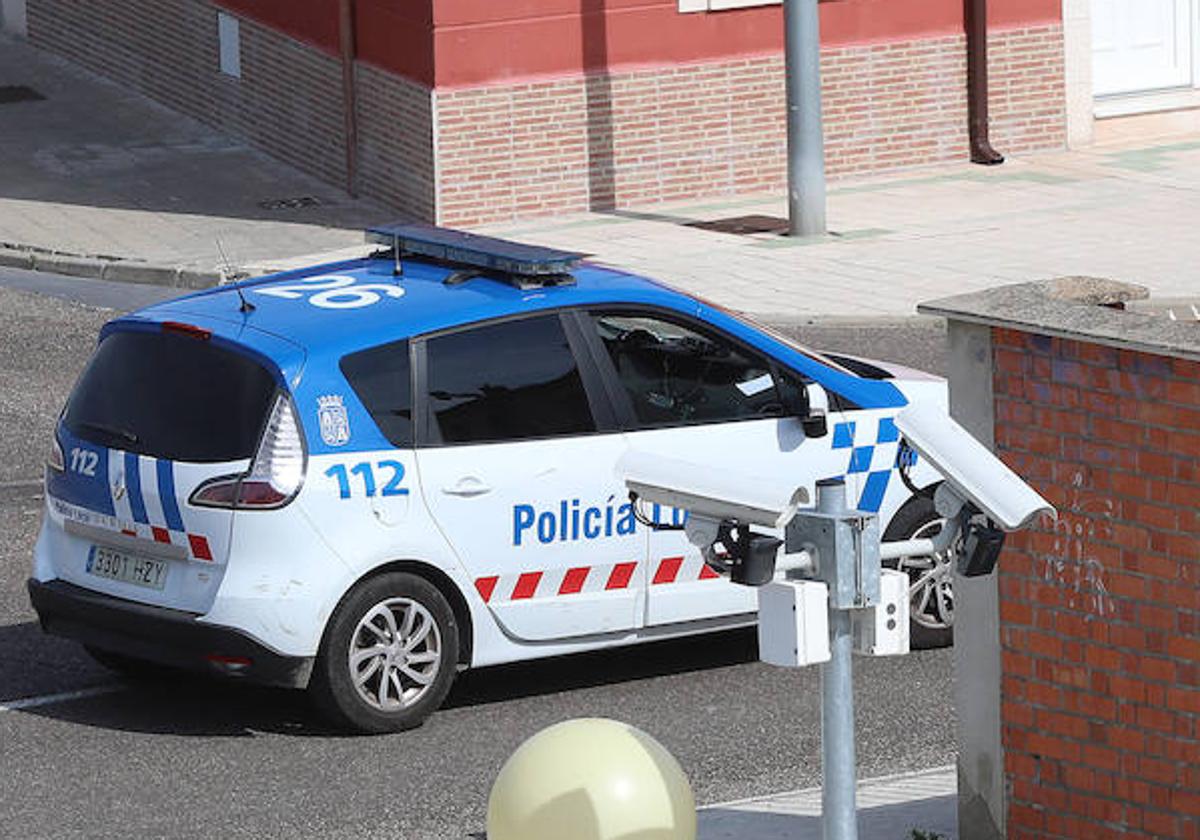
710 491
972 472
721 505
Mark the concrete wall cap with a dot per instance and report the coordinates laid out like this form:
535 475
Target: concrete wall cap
1079 308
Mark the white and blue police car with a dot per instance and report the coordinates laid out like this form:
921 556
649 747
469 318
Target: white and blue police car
363 477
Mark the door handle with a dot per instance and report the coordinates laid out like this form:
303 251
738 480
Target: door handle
467 488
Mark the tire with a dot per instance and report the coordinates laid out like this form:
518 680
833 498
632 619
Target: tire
931 578
388 656
130 667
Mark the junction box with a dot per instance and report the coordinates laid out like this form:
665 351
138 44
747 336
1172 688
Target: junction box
882 630
793 623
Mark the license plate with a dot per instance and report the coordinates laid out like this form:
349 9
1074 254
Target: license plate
129 568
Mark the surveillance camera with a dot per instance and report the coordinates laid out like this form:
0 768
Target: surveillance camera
721 506
710 491
972 472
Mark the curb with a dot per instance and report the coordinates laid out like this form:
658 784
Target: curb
121 271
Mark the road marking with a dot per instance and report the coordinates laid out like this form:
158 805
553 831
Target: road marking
892 789
61 697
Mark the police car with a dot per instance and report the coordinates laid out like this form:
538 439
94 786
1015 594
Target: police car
363 477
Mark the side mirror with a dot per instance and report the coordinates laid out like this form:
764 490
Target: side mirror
814 421
807 402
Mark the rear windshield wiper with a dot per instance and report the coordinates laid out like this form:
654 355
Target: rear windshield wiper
110 431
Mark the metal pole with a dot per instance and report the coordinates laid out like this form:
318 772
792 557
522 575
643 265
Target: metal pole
806 138
838 810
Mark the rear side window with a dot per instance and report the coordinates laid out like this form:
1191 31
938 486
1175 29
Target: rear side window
507 381
380 378
172 397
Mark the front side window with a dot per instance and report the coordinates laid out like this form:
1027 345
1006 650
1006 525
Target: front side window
676 374
512 380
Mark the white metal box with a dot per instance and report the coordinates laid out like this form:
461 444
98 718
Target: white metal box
793 623
882 630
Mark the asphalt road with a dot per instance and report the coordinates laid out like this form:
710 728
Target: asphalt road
196 758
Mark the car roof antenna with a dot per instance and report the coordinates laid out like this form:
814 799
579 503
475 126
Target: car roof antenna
229 273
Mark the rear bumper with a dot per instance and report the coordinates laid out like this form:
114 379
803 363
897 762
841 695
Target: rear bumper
169 637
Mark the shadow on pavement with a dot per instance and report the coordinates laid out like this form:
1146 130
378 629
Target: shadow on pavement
179 703
655 659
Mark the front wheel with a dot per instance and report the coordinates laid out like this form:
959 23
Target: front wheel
388 656
930 576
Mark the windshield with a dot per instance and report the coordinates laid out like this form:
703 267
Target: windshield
781 337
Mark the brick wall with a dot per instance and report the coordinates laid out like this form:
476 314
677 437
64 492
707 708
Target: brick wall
287 102
719 128
1100 613
395 142
477 154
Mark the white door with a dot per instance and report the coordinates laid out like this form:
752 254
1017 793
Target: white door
523 484
696 395
1142 45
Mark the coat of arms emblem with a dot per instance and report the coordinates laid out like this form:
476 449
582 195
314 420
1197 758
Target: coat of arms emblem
334 422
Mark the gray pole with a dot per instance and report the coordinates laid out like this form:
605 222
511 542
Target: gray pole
806 138
838 812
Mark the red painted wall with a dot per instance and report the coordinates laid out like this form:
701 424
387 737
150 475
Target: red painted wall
397 35
312 21
451 43
480 41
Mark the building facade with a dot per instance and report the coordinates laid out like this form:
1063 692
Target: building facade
470 111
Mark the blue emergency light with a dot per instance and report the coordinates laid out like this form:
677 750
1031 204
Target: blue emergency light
523 263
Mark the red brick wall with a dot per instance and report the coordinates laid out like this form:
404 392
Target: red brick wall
287 102
697 130
395 142
168 49
489 153
1100 613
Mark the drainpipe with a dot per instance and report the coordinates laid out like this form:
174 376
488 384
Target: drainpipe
975 19
349 92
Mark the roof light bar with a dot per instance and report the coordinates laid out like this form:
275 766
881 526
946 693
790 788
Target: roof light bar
469 249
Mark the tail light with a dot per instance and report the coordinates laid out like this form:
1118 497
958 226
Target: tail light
276 474
54 459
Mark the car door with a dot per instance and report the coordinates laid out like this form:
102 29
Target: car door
685 390
517 450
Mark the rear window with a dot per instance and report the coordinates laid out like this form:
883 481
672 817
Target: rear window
172 397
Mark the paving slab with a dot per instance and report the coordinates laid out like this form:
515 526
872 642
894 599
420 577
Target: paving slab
97 172
903 807
116 184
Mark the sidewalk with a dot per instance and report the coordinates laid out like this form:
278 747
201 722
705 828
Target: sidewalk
907 807
924 804
129 190
1127 210
98 180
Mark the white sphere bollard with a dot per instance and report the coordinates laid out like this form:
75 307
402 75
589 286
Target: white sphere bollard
591 779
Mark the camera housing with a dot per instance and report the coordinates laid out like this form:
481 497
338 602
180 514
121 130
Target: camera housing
722 505
970 470
709 491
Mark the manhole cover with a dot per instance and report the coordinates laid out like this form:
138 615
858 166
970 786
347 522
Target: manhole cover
18 93
744 225
290 203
